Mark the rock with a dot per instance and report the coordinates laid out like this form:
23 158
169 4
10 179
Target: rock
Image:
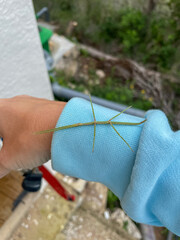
107 214
76 184
47 217
95 197
119 217
89 225
100 73
68 65
61 47
64 54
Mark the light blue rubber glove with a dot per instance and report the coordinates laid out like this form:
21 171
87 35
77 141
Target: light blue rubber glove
147 181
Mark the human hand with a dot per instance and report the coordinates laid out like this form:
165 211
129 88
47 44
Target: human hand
20 118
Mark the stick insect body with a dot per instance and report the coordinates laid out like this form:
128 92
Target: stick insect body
112 123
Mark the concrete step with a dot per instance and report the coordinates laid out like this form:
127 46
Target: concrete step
46 217
53 218
95 197
85 224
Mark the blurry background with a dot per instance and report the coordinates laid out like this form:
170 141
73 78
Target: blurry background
146 32
124 51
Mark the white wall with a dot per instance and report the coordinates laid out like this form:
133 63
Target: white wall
22 66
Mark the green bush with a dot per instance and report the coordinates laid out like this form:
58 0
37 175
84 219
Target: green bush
108 31
132 28
112 201
127 26
149 39
161 38
112 90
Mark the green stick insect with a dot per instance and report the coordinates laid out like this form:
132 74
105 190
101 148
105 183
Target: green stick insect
112 123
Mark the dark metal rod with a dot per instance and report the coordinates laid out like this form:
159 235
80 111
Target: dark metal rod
62 92
44 11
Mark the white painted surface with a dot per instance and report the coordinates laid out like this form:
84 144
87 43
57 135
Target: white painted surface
22 65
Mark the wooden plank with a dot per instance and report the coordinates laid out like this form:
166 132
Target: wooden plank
16 216
10 188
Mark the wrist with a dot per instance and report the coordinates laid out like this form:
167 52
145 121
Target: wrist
48 119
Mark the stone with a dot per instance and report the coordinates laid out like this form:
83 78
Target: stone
100 73
85 225
65 54
76 184
46 217
95 197
120 218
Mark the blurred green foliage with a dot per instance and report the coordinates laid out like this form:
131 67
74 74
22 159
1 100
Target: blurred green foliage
112 201
127 26
112 89
143 38
148 38
125 225
152 39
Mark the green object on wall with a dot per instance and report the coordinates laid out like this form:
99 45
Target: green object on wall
45 35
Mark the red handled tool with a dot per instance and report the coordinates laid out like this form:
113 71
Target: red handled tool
55 184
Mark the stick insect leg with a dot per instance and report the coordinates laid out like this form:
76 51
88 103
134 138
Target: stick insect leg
94 122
